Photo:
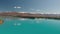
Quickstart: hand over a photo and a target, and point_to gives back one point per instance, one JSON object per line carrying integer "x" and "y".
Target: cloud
{"x": 17, "y": 7}
{"x": 32, "y": 9}
{"x": 38, "y": 10}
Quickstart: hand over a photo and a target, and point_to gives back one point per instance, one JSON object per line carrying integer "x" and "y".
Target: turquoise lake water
{"x": 30, "y": 26}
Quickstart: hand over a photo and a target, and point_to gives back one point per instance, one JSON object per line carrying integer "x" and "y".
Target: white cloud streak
{"x": 17, "y": 7}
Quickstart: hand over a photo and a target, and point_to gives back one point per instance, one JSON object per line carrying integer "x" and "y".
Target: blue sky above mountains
{"x": 44, "y": 6}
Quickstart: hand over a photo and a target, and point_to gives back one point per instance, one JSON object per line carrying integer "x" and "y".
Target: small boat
{"x": 1, "y": 21}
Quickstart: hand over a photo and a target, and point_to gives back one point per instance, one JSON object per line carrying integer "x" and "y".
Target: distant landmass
{"x": 29, "y": 15}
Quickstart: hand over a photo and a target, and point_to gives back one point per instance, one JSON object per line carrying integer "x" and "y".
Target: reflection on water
{"x": 17, "y": 24}
{"x": 30, "y": 26}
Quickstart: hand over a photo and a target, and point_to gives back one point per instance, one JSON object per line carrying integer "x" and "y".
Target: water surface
{"x": 30, "y": 26}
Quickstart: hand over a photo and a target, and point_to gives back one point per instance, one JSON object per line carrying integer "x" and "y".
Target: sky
{"x": 42, "y": 6}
